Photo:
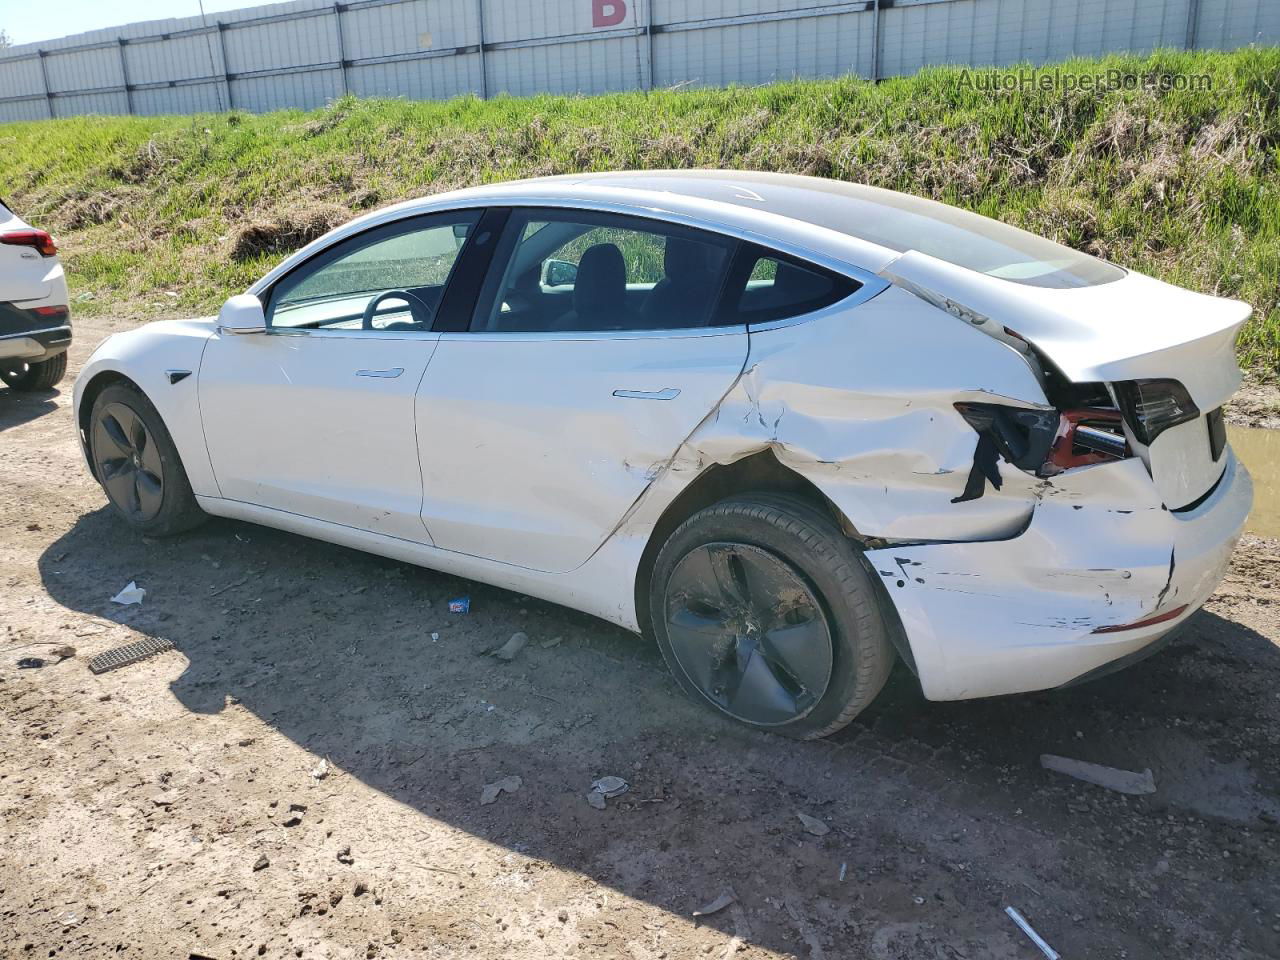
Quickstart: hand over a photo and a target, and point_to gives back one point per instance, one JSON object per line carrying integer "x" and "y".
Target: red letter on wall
{"x": 608, "y": 13}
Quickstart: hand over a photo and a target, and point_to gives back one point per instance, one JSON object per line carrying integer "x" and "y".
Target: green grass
{"x": 168, "y": 214}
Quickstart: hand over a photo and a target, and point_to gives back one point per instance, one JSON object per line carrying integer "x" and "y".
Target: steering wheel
{"x": 417, "y": 307}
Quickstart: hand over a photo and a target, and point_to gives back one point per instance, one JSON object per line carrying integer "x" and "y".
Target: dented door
{"x": 533, "y": 446}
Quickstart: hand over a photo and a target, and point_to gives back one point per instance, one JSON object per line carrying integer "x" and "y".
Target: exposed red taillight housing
{"x": 39, "y": 239}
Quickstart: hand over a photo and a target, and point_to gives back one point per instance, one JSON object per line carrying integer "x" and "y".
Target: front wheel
{"x": 764, "y": 611}
{"x": 135, "y": 460}
{"x": 43, "y": 375}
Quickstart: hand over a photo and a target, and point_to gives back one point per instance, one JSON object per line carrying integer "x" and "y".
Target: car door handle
{"x": 668, "y": 394}
{"x": 383, "y": 374}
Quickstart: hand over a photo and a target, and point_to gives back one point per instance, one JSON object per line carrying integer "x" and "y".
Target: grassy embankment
{"x": 171, "y": 214}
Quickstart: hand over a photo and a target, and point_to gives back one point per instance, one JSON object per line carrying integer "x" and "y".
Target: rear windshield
{"x": 903, "y": 222}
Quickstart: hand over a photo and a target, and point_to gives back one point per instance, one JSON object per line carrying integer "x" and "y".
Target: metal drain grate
{"x": 118, "y": 657}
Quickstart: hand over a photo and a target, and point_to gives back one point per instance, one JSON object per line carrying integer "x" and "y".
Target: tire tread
{"x": 816, "y": 531}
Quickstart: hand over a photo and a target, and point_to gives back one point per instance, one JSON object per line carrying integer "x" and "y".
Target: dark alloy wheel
{"x": 748, "y": 629}
{"x": 765, "y": 610}
{"x": 128, "y": 462}
{"x": 136, "y": 462}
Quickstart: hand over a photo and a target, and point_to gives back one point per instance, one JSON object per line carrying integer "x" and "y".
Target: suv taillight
{"x": 1151, "y": 407}
{"x": 39, "y": 239}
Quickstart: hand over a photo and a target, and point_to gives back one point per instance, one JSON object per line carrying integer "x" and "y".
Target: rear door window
{"x": 578, "y": 270}
{"x": 767, "y": 285}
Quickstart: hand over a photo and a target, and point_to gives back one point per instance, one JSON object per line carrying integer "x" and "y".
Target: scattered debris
{"x": 508, "y": 651}
{"x": 30, "y": 663}
{"x": 606, "y": 788}
{"x": 345, "y": 857}
{"x": 231, "y": 586}
{"x": 813, "y": 825}
{"x": 1122, "y": 781}
{"x": 492, "y": 791}
{"x": 718, "y": 904}
{"x": 130, "y": 653}
{"x": 64, "y": 652}
{"x": 435, "y": 637}
{"x": 553, "y": 642}
{"x": 360, "y": 889}
{"x": 320, "y": 770}
{"x": 129, "y": 595}
{"x": 261, "y": 863}
{"x": 296, "y": 810}
{"x": 460, "y": 605}
{"x": 611, "y": 786}
{"x": 844, "y": 869}
{"x": 1026, "y": 928}
{"x": 163, "y": 799}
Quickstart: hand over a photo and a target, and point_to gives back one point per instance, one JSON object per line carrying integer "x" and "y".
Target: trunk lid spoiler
{"x": 1131, "y": 329}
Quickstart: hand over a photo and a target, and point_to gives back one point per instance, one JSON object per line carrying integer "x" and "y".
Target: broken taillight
{"x": 39, "y": 239}
{"x": 1090, "y": 435}
{"x": 1021, "y": 436}
{"x": 1153, "y": 406}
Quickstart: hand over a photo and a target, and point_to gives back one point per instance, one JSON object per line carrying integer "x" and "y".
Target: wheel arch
{"x": 89, "y": 394}
{"x": 760, "y": 472}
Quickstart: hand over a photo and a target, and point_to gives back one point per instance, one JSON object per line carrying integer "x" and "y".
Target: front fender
{"x": 144, "y": 356}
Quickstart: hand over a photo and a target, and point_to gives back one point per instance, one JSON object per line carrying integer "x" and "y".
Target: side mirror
{"x": 242, "y": 314}
{"x": 559, "y": 273}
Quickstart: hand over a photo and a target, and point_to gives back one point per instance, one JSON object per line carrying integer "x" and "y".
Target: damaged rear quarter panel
{"x": 862, "y": 401}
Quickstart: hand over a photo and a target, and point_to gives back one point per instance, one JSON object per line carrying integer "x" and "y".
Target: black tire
{"x": 141, "y": 453}
{"x": 43, "y": 375}
{"x": 757, "y": 541}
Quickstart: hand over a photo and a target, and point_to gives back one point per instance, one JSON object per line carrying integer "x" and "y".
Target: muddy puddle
{"x": 1259, "y": 450}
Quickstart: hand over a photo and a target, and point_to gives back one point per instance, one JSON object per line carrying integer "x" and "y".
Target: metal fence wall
{"x": 305, "y": 53}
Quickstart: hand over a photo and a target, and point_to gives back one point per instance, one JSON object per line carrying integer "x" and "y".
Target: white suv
{"x": 35, "y": 321}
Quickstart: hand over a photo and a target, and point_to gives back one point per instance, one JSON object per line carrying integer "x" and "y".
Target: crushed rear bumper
{"x": 1101, "y": 550}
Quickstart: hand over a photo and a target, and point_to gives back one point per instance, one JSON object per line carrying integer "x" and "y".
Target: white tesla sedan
{"x": 794, "y": 428}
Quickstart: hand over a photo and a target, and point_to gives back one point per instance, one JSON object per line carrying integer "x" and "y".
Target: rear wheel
{"x": 43, "y": 375}
{"x": 763, "y": 610}
{"x": 138, "y": 465}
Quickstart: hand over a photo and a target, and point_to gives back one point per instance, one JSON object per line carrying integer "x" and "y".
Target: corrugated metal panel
{"x": 84, "y": 70}
{"x": 305, "y": 91}
{"x": 506, "y": 21}
{"x": 287, "y": 54}
{"x": 190, "y": 98}
{"x": 103, "y": 103}
{"x": 182, "y": 58}
{"x": 434, "y": 79}
{"x": 600, "y": 66}
{"x": 1004, "y": 32}
{"x": 20, "y": 110}
{"x": 281, "y": 43}
{"x": 19, "y": 78}
{"x": 757, "y": 53}
{"x": 401, "y": 28}
{"x": 1228, "y": 24}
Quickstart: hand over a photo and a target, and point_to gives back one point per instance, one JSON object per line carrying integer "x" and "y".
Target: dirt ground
{"x": 302, "y": 776}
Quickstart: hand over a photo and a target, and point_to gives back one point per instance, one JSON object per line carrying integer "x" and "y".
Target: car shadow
{"x": 17, "y": 408}
{"x": 334, "y": 649}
